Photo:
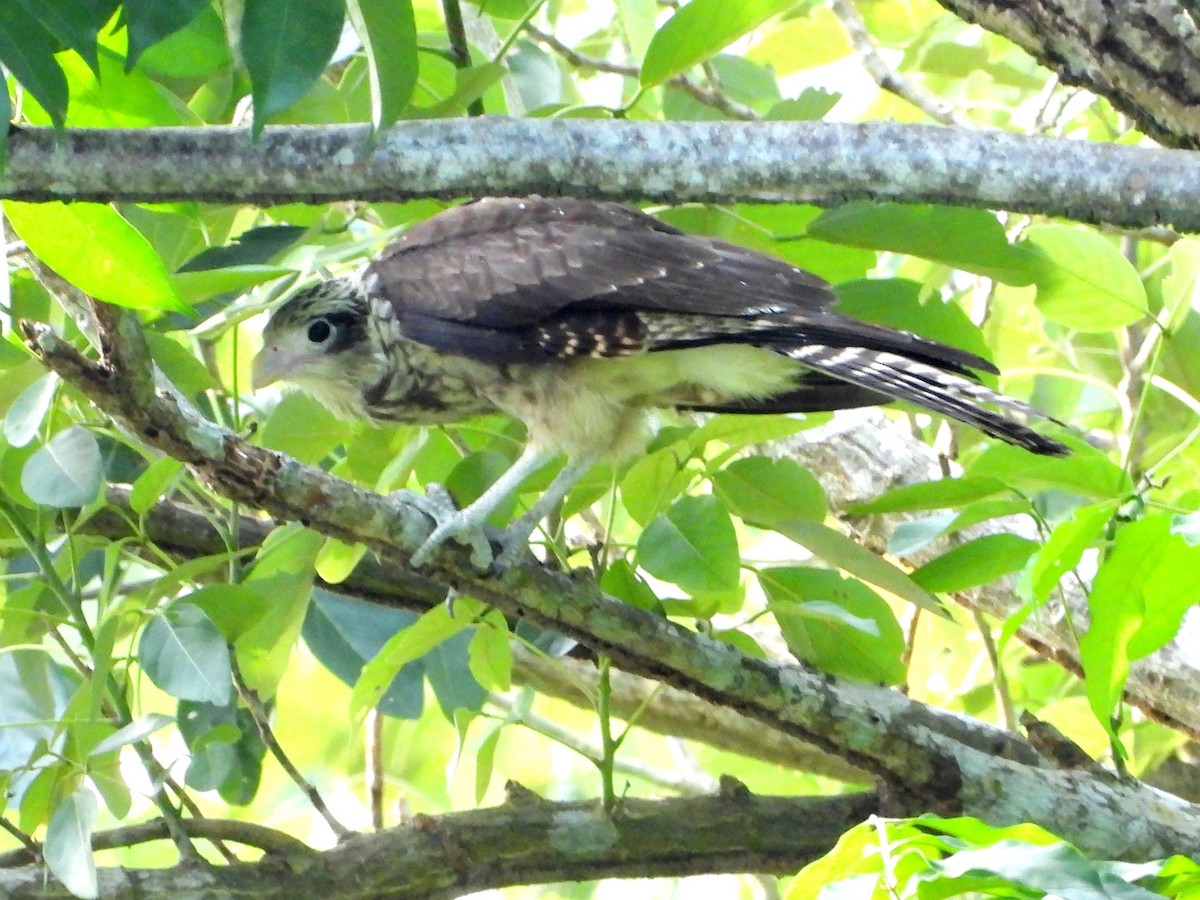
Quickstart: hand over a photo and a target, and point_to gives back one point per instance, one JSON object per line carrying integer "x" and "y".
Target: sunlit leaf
{"x": 95, "y": 249}
{"x": 763, "y": 491}
{"x": 388, "y": 33}
{"x": 699, "y": 30}
{"x": 976, "y": 562}
{"x": 692, "y": 544}
{"x": 1083, "y": 280}
{"x": 149, "y": 21}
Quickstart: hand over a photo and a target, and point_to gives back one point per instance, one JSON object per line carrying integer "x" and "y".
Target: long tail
{"x": 934, "y": 389}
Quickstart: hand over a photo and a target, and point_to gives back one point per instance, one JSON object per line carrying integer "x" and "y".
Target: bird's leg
{"x": 467, "y": 524}
{"x": 515, "y": 539}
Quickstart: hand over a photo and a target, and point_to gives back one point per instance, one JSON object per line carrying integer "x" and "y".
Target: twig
{"x": 1008, "y": 714}
{"x": 374, "y": 766}
{"x": 707, "y": 96}
{"x": 937, "y": 108}
{"x": 216, "y": 831}
{"x": 32, "y": 851}
{"x": 458, "y": 46}
{"x": 259, "y": 714}
{"x": 548, "y": 729}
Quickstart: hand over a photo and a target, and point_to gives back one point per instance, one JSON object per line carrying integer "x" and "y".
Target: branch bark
{"x": 528, "y": 840}
{"x": 1142, "y": 55}
{"x": 927, "y": 758}
{"x": 800, "y": 162}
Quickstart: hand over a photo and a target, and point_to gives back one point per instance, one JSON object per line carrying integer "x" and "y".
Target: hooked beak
{"x": 268, "y": 367}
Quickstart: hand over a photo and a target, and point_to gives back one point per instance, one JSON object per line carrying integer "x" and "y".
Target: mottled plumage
{"x": 576, "y": 316}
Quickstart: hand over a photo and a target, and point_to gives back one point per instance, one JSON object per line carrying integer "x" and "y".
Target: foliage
{"x": 117, "y": 648}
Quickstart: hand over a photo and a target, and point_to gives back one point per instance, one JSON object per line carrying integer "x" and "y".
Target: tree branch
{"x": 804, "y": 162}
{"x": 1142, "y": 55}
{"x": 528, "y": 840}
{"x": 928, "y": 758}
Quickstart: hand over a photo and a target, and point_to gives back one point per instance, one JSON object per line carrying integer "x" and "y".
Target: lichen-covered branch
{"x": 1142, "y": 55}
{"x": 926, "y": 758}
{"x": 528, "y": 840}
{"x": 803, "y": 162}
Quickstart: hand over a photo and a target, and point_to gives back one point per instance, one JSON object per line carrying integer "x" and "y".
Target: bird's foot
{"x": 449, "y": 522}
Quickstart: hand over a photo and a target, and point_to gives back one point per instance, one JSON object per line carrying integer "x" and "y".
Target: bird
{"x": 578, "y": 317}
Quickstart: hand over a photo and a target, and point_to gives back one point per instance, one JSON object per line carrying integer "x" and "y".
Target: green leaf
{"x": 1058, "y": 870}
{"x": 435, "y": 626}
{"x": 1179, "y": 287}
{"x": 976, "y": 562}
{"x": 67, "y": 472}
{"x": 68, "y": 848}
{"x": 24, "y": 417}
{"x": 840, "y": 551}
{"x": 95, "y": 249}
{"x": 202, "y": 285}
{"x": 969, "y": 239}
{"x": 343, "y": 634}
{"x": 621, "y": 580}
{"x": 637, "y": 21}
{"x": 338, "y": 560}
{"x": 388, "y": 32}
{"x": 762, "y": 491}
{"x": 153, "y": 483}
{"x": 692, "y": 544}
{"x": 699, "y": 30}
{"x": 281, "y": 581}
{"x": 490, "y": 653}
{"x": 1065, "y": 546}
{"x": 286, "y": 45}
{"x": 301, "y": 427}
{"x": 1086, "y": 472}
{"x": 185, "y": 655}
{"x": 651, "y": 483}
{"x": 901, "y": 303}
{"x": 71, "y": 21}
{"x": 27, "y": 51}
{"x": 253, "y": 247}
{"x": 139, "y": 729}
{"x": 1137, "y": 599}
{"x": 946, "y": 493}
{"x": 837, "y": 624}
{"x": 1083, "y": 281}
{"x": 149, "y": 21}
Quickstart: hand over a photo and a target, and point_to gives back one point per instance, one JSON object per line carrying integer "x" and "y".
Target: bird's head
{"x": 318, "y": 340}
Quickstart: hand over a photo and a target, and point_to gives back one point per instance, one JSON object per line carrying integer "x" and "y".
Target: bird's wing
{"x": 531, "y": 280}
{"x": 509, "y": 263}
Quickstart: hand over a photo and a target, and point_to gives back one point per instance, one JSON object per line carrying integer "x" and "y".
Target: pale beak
{"x": 268, "y": 367}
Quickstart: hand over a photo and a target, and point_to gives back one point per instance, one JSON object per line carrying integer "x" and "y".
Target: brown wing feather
{"x": 506, "y": 263}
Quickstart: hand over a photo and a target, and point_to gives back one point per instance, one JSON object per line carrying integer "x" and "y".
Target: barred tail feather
{"x": 932, "y": 388}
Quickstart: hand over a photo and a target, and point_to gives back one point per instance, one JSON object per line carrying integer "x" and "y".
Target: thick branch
{"x": 1143, "y": 55}
{"x": 808, "y": 162}
{"x": 526, "y": 841}
{"x": 928, "y": 758}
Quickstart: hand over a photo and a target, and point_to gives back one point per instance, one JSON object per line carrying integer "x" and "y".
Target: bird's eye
{"x": 319, "y": 331}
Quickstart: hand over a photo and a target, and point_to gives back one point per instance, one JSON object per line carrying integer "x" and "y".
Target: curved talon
{"x": 450, "y": 522}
